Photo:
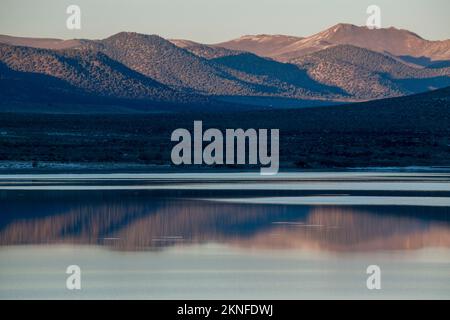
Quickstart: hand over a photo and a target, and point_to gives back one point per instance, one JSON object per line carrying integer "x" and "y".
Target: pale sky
{"x": 211, "y": 21}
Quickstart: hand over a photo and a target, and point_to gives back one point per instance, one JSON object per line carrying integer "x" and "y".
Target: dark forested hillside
{"x": 404, "y": 131}
{"x": 367, "y": 74}
{"x": 84, "y": 71}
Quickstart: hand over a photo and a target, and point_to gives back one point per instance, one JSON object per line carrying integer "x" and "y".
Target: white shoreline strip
{"x": 221, "y": 176}
{"x": 295, "y": 185}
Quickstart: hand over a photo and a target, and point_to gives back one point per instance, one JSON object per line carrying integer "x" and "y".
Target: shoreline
{"x": 26, "y": 167}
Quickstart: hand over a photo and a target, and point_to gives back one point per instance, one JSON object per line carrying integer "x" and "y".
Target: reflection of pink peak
{"x": 147, "y": 225}
{"x": 337, "y": 229}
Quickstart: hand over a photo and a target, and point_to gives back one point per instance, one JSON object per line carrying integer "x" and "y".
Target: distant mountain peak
{"x": 261, "y": 44}
{"x": 266, "y": 37}
{"x": 182, "y": 43}
{"x": 43, "y": 43}
{"x": 344, "y": 26}
{"x": 126, "y": 35}
{"x": 397, "y": 42}
{"x": 351, "y": 29}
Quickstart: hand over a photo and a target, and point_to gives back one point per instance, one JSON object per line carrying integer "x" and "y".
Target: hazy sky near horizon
{"x": 211, "y": 21}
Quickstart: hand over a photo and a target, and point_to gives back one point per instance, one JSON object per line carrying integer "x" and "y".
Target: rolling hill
{"x": 135, "y": 66}
{"x": 203, "y": 50}
{"x": 262, "y": 45}
{"x": 81, "y": 80}
{"x": 367, "y": 74}
{"x": 161, "y": 60}
{"x": 193, "y": 69}
{"x": 42, "y": 43}
{"x": 332, "y": 66}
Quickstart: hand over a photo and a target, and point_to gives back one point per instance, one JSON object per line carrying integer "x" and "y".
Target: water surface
{"x": 186, "y": 236}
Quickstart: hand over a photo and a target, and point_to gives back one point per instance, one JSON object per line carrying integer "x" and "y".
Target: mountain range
{"x": 344, "y": 63}
{"x": 400, "y": 43}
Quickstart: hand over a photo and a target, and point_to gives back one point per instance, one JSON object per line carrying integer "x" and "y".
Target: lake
{"x": 226, "y": 236}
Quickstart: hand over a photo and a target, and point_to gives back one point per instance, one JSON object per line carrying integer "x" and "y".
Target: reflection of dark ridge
{"x": 201, "y": 222}
{"x": 34, "y": 204}
{"x": 111, "y": 220}
{"x": 91, "y": 215}
{"x": 138, "y": 223}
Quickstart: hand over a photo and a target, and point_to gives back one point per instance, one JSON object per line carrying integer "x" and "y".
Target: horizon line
{"x": 229, "y": 39}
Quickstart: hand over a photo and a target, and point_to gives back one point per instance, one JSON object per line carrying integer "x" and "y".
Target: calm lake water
{"x": 218, "y": 236}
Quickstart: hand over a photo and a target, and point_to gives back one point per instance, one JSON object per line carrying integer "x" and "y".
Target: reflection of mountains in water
{"x": 137, "y": 221}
